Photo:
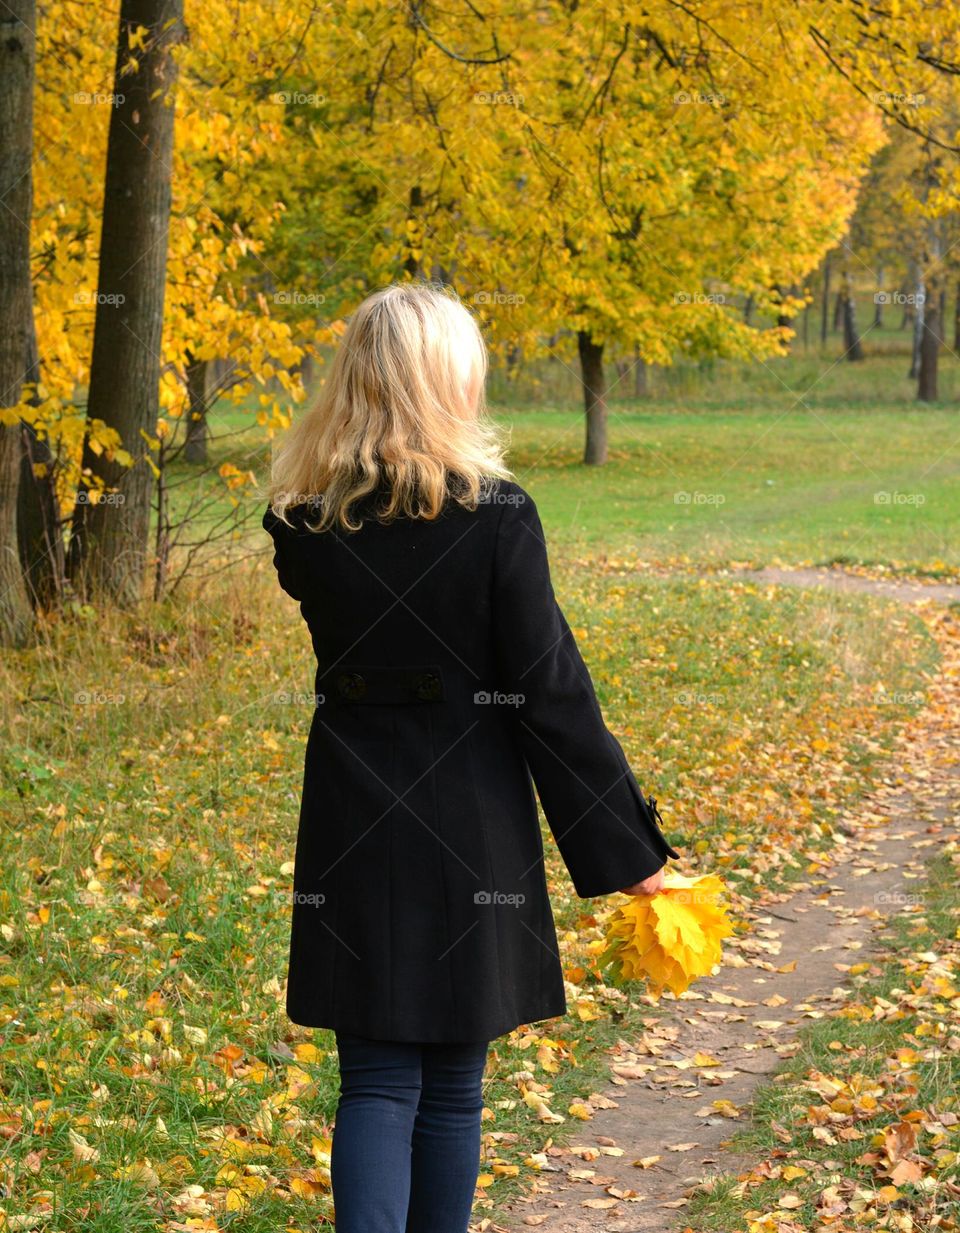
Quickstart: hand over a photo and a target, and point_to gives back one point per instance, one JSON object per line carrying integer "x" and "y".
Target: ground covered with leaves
{"x": 862, "y": 1128}
{"x": 150, "y": 1078}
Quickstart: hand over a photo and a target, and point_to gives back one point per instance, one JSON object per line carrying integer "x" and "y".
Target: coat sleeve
{"x": 606, "y": 831}
{"x": 279, "y": 532}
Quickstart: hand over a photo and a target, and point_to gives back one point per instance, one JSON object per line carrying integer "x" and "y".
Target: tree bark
{"x": 594, "y": 399}
{"x": 929, "y": 351}
{"x": 641, "y": 372}
{"x": 927, "y": 376}
{"x": 412, "y": 262}
{"x": 783, "y": 320}
{"x": 878, "y": 300}
{"x": 109, "y": 542}
{"x": 851, "y": 338}
{"x": 39, "y": 536}
{"x": 18, "y": 21}
{"x": 198, "y": 430}
{"x": 956, "y": 318}
{"x": 825, "y": 302}
{"x": 919, "y": 313}
{"x": 838, "y": 310}
{"x": 907, "y": 316}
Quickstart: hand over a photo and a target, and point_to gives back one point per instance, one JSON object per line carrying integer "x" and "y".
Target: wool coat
{"x": 448, "y": 684}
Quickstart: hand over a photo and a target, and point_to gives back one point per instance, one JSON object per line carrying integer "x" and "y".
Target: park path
{"x": 908, "y": 590}
{"x": 719, "y": 1041}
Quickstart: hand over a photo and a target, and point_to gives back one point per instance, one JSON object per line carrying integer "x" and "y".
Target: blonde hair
{"x": 403, "y": 406}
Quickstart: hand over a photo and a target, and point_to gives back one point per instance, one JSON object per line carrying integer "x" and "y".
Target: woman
{"x": 446, "y": 677}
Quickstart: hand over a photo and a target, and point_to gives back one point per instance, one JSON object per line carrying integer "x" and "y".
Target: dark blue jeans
{"x": 406, "y": 1144}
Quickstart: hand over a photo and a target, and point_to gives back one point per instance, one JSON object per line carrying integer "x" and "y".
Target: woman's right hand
{"x": 649, "y": 886}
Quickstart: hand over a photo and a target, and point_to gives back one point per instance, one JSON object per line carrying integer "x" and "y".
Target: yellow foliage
{"x": 671, "y": 938}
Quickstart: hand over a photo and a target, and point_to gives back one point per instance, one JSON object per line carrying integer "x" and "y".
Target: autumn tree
{"x": 905, "y": 60}
{"x": 17, "y": 54}
{"x": 109, "y": 535}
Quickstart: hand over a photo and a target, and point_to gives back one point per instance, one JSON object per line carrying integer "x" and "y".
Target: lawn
{"x": 806, "y": 459}
{"x": 151, "y": 765}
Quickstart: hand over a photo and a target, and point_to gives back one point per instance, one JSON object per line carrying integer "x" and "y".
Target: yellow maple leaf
{"x": 671, "y": 938}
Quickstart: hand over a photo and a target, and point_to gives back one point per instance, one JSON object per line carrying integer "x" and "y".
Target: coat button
{"x": 428, "y": 688}
{"x": 351, "y": 685}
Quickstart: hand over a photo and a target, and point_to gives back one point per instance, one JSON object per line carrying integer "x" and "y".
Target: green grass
{"x": 150, "y": 769}
{"x": 150, "y": 777}
{"x": 799, "y": 460}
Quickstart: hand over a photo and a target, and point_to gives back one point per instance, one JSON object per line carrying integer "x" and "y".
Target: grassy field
{"x": 805, "y": 459}
{"x": 150, "y": 767}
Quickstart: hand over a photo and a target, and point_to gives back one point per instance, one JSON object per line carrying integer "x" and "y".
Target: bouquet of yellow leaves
{"x": 669, "y": 938}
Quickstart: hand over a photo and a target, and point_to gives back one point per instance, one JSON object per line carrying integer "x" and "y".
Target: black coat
{"x": 447, "y": 676}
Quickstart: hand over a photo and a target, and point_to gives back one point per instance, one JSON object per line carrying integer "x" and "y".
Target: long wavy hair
{"x": 402, "y": 413}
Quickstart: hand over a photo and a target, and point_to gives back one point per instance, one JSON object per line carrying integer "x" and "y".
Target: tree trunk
{"x": 40, "y": 540}
{"x": 109, "y": 543}
{"x": 594, "y": 399}
{"x": 198, "y": 430}
{"x": 414, "y": 233}
{"x": 919, "y": 313}
{"x": 783, "y": 321}
{"x": 907, "y": 291}
{"x": 878, "y": 301}
{"x": 641, "y": 384}
{"x": 932, "y": 319}
{"x": 929, "y": 351}
{"x": 838, "y": 311}
{"x": 851, "y": 339}
{"x": 792, "y": 292}
{"x": 956, "y": 318}
{"x": 825, "y": 303}
{"x": 18, "y": 20}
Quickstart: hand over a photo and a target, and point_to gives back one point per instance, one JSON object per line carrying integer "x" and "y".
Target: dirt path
{"x": 906, "y": 589}
{"x": 720, "y": 1039}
